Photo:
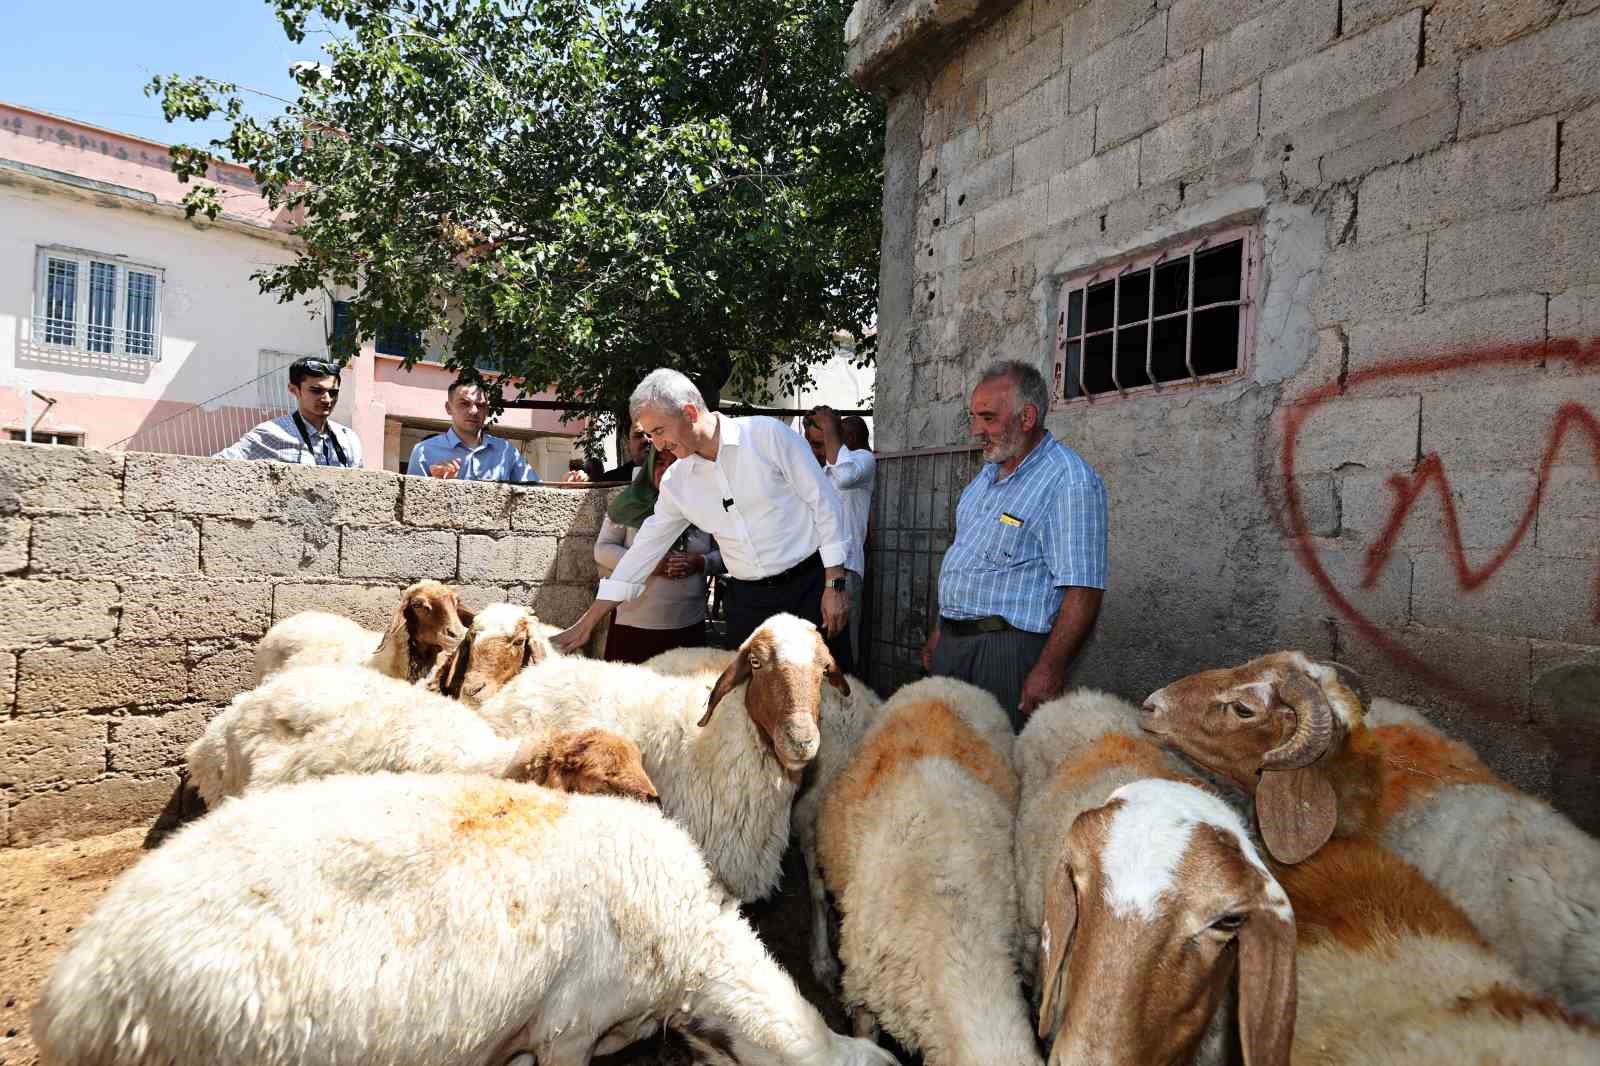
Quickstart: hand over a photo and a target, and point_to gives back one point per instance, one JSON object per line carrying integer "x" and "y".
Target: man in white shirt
{"x": 853, "y": 471}
{"x": 752, "y": 484}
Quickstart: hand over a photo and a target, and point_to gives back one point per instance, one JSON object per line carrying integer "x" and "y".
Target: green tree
{"x": 577, "y": 191}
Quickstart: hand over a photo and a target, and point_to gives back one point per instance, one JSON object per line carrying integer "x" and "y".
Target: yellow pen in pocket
{"x": 1009, "y": 519}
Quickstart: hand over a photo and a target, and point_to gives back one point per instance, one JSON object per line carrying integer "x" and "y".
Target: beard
{"x": 1003, "y": 446}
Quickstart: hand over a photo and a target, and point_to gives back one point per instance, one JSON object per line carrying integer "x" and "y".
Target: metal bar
{"x": 1188, "y": 329}
{"x": 1116, "y": 315}
{"x": 910, "y": 453}
{"x": 748, "y": 409}
{"x": 1150, "y": 329}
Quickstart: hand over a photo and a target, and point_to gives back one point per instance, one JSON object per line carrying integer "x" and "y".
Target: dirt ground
{"x": 47, "y": 890}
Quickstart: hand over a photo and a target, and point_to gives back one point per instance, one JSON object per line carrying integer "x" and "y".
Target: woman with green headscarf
{"x": 672, "y": 611}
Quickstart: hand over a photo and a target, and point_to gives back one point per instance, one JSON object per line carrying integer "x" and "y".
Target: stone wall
{"x": 134, "y": 589}
{"x": 1426, "y": 179}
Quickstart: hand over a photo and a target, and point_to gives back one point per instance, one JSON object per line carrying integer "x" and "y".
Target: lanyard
{"x": 305, "y": 435}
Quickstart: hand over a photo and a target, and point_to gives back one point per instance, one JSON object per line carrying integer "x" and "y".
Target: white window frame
{"x": 84, "y": 260}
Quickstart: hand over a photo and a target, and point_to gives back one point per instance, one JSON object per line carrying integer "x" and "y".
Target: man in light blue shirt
{"x": 1021, "y": 585}
{"x": 465, "y": 451}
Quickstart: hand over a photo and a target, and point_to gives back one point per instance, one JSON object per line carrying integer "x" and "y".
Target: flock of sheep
{"x": 448, "y": 843}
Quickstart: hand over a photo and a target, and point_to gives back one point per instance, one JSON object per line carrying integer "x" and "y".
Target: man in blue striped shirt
{"x": 465, "y": 451}
{"x": 1020, "y": 588}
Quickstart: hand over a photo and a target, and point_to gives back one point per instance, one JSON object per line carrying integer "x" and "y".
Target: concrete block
{"x": 1158, "y": 96}
{"x": 1191, "y": 23}
{"x": 559, "y": 605}
{"x": 101, "y": 544}
{"x": 1337, "y": 77}
{"x": 1361, "y": 281}
{"x": 1566, "y": 707}
{"x": 1548, "y": 659}
{"x": 1010, "y": 220}
{"x": 39, "y": 612}
{"x": 1268, "y": 42}
{"x": 513, "y": 557}
{"x": 1532, "y": 595}
{"x": 1580, "y": 153}
{"x": 8, "y": 682}
{"x": 77, "y": 679}
{"x": 1196, "y": 140}
{"x": 1301, "y": 593}
{"x": 563, "y": 512}
{"x": 1119, "y": 62}
{"x": 1546, "y": 248}
{"x": 1468, "y": 179}
{"x": 457, "y": 504}
{"x": 44, "y": 751}
{"x": 1569, "y": 513}
{"x": 478, "y": 596}
{"x": 47, "y": 479}
{"x": 1025, "y": 68}
{"x": 1492, "y": 426}
{"x": 971, "y": 190}
{"x": 1065, "y": 145}
{"x": 1364, "y": 14}
{"x": 235, "y": 547}
{"x": 1039, "y": 109}
{"x": 1459, "y": 27}
{"x": 1413, "y": 117}
{"x": 1547, "y": 73}
{"x": 323, "y": 497}
{"x": 90, "y": 809}
{"x": 397, "y": 552}
{"x": 1101, "y": 22}
{"x": 1374, "y": 434}
{"x": 14, "y": 544}
{"x": 1444, "y": 329}
{"x": 1575, "y": 313}
{"x": 1488, "y": 509}
{"x": 1319, "y": 503}
{"x": 193, "y": 484}
{"x": 575, "y": 562}
{"x": 220, "y": 672}
{"x": 157, "y": 610}
{"x": 1492, "y": 670}
{"x": 368, "y": 605}
{"x": 1091, "y": 184}
{"x": 144, "y": 742}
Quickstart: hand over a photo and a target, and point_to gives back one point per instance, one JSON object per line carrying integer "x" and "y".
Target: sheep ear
{"x": 1296, "y": 811}
{"x": 735, "y": 675}
{"x": 399, "y": 627}
{"x": 1266, "y": 989}
{"x": 832, "y": 673}
{"x": 453, "y": 670}
{"x": 465, "y": 613}
{"x": 1055, "y": 938}
{"x": 532, "y": 650}
{"x": 1351, "y": 679}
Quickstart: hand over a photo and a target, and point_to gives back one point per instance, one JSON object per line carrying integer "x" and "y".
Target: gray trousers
{"x": 998, "y": 663}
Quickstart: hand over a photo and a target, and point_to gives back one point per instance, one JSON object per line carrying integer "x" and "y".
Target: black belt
{"x": 809, "y": 562}
{"x": 971, "y": 627}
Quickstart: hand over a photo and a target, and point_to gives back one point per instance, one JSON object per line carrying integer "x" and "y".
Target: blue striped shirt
{"x": 1021, "y": 540}
{"x": 492, "y": 460}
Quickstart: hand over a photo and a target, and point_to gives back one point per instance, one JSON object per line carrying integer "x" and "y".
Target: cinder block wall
{"x": 1426, "y": 176}
{"x": 135, "y": 587}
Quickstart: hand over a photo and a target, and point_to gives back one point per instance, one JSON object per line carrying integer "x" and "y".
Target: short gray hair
{"x": 667, "y": 389}
{"x": 1026, "y": 379}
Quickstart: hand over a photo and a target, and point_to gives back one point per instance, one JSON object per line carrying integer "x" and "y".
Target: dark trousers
{"x": 630, "y": 644}
{"x": 998, "y": 663}
{"x": 747, "y": 605}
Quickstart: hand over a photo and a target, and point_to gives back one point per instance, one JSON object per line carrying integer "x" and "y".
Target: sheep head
{"x": 590, "y": 761}
{"x": 430, "y": 619}
{"x": 785, "y": 663}
{"x": 502, "y": 641}
{"x": 1159, "y": 898}
{"x": 1270, "y": 726}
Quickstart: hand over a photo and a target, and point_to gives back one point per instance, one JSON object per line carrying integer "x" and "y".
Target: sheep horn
{"x": 1313, "y": 728}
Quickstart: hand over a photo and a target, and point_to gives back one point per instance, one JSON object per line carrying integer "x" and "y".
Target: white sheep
{"x": 317, "y": 721}
{"x": 729, "y": 778}
{"x": 503, "y": 640}
{"x": 845, "y": 719}
{"x": 916, "y": 848}
{"x": 419, "y": 920}
{"x": 428, "y": 620}
{"x": 1523, "y": 874}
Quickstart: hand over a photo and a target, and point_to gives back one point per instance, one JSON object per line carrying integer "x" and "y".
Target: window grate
{"x": 1180, "y": 316}
{"x": 99, "y": 306}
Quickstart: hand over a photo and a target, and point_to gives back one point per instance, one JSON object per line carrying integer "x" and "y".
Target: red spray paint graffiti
{"x": 1570, "y": 418}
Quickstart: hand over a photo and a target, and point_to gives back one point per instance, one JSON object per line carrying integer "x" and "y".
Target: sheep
{"x": 729, "y": 778}
{"x": 502, "y": 641}
{"x": 844, "y": 720}
{"x": 429, "y": 620}
{"x": 418, "y": 920}
{"x": 316, "y": 721}
{"x": 915, "y": 838}
{"x": 1295, "y": 734}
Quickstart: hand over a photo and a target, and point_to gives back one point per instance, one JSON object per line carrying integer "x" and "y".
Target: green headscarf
{"x": 638, "y": 501}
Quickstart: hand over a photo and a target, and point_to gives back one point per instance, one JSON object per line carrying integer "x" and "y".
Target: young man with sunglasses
{"x": 306, "y": 435}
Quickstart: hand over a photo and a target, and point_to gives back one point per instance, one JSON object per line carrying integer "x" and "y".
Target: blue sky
{"x": 90, "y": 60}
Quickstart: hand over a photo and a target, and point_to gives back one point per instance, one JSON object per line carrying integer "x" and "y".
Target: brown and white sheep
{"x": 428, "y": 621}
{"x": 502, "y": 640}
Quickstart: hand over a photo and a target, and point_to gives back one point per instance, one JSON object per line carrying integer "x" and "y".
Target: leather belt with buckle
{"x": 967, "y": 627}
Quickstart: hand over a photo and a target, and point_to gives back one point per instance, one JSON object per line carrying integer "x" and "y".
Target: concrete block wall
{"x": 133, "y": 589}
{"x": 1426, "y": 179}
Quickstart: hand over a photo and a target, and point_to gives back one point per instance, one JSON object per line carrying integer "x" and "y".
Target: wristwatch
{"x": 838, "y": 584}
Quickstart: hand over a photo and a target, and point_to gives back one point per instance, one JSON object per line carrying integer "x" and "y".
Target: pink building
{"x": 124, "y": 324}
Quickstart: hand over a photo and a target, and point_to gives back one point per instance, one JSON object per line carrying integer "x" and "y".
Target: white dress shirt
{"x": 853, "y": 474}
{"x": 780, "y": 507}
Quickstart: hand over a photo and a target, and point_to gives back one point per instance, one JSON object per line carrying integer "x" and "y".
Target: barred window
{"x": 100, "y": 305}
{"x": 1182, "y": 315}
